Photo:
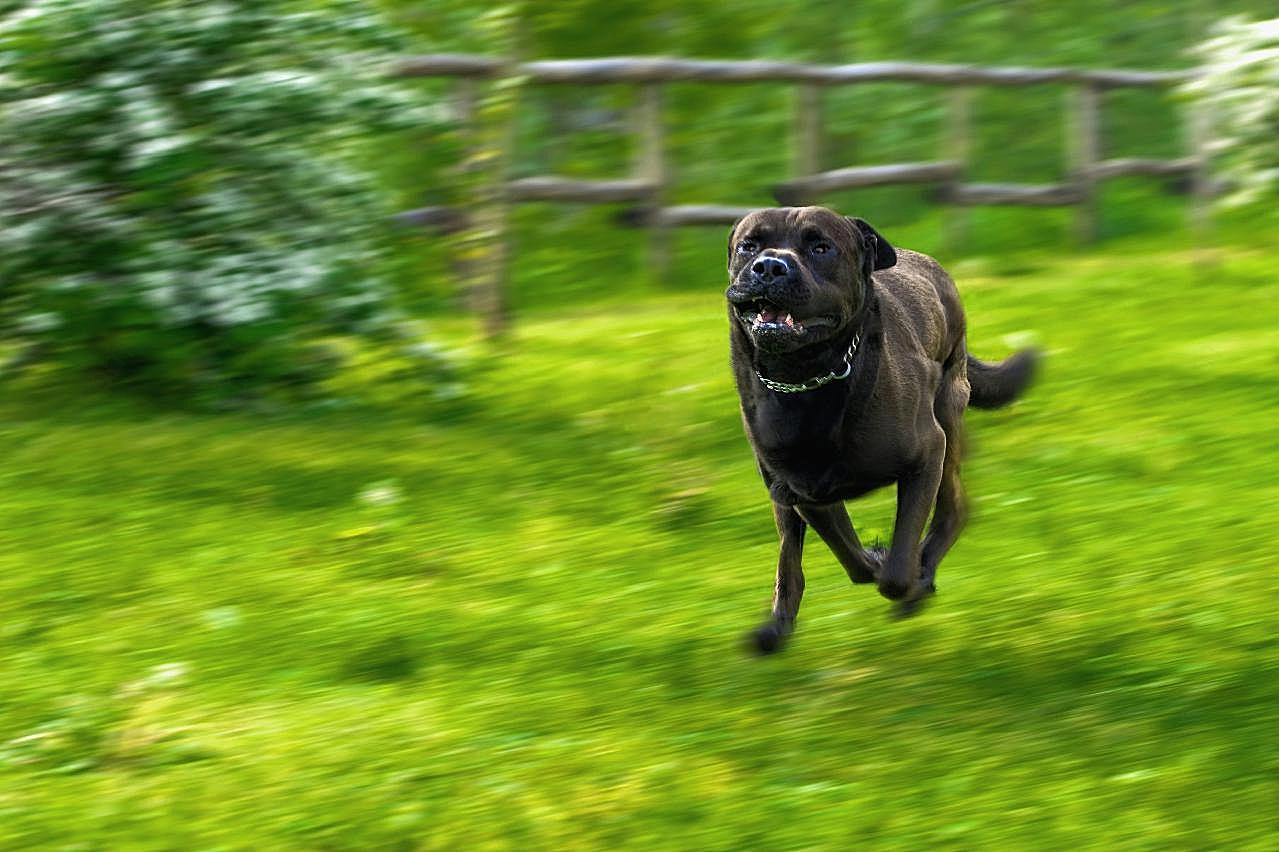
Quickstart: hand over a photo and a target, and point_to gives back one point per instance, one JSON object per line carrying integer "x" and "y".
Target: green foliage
{"x": 520, "y": 628}
{"x": 184, "y": 189}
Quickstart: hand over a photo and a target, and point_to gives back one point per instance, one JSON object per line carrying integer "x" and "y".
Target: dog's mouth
{"x": 763, "y": 315}
{"x": 767, "y": 318}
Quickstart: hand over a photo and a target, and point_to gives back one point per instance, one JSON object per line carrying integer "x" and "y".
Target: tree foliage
{"x": 1238, "y": 87}
{"x": 184, "y": 190}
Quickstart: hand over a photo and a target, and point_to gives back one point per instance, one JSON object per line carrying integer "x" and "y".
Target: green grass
{"x": 526, "y": 632}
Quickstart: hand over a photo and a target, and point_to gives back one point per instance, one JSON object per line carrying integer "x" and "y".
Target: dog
{"x": 853, "y": 371}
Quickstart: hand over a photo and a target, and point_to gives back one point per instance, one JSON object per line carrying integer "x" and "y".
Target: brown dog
{"x": 853, "y": 373}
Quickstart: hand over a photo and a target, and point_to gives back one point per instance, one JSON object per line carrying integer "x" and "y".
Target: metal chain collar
{"x": 814, "y": 384}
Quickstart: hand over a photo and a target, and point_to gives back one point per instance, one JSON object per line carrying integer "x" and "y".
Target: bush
{"x": 185, "y": 199}
{"x": 1238, "y": 85}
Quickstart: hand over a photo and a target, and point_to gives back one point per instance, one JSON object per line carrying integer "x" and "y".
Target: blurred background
{"x": 364, "y": 487}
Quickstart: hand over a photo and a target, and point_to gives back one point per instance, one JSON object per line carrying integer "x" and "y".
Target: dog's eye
{"x": 747, "y": 247}
{"x": 820, "y": 248}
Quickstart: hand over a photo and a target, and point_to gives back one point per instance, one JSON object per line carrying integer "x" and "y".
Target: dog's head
{"x": 798, "y": 275}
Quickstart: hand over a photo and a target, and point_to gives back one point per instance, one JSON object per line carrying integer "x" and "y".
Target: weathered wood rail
{"x": 659, "y": 69}
{"x": 648, "y": 184}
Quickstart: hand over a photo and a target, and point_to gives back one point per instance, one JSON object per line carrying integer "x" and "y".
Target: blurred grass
{"x": 517, "y": 624}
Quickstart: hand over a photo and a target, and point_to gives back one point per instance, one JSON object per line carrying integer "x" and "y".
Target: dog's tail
{"x": 996, "y": 385}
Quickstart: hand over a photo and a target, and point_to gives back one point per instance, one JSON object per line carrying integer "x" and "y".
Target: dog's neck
{"x": 828, "y": 361}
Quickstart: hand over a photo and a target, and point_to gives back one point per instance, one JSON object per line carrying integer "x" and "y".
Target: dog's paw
{"x": 770, "y": 637}
{"x": 894, "y": 589}
{"x": 914, "y": 603}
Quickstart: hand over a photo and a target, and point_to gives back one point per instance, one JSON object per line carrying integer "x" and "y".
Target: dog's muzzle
{"x": 770, "y": 271}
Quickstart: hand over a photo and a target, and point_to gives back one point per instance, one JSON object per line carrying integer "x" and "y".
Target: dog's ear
{"x": 879, "y": 254}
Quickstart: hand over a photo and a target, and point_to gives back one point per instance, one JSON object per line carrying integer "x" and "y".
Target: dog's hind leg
{"x": 790, "y": 581}
{"x": 948, "y": 521}
{"x": 916, "y": 494}
{"x": 952, "y": 506}
{"x": 832, "y": 523}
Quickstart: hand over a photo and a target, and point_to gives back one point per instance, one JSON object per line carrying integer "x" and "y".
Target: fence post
{"x": 1084, "y": 151}
{"x": 957, "y": 147}
{"x": 486, "y": 242}
{"x": 650, "y": 167}
{"x": 465, "y": 107}
{"x": 1200, "y": 124}
{"x": 809, "y": 121}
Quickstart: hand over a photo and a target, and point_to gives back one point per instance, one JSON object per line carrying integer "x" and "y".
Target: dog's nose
{"x": 768, "y": 269}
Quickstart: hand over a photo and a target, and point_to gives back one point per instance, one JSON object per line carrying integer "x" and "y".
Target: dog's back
{"x": 920, "y": 301}
{"x": 924, "y": 304}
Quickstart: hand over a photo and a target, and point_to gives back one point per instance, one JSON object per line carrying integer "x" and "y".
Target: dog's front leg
{"x": 916, "y": 494}
{"x": 790, "y": 581}
{"x": 832, "y": 523}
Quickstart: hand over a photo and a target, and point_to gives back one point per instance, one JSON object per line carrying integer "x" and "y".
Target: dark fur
{"x": 897, "y": 417}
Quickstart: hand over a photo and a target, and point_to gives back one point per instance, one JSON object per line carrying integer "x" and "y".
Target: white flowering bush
{"x": 185, "y": 200}
{"x": 1238, "y": 86}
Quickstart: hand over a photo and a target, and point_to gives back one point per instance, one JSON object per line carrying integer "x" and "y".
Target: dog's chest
{"x": 805, "y": 451}
{"x": 794, "y": 431}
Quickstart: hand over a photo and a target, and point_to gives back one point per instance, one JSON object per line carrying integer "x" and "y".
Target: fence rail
{"x": 672, "y": 70}
{"x": 649, "y": 182}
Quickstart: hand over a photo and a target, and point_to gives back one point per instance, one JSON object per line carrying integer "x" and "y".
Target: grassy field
{"x": 515, "y": 622}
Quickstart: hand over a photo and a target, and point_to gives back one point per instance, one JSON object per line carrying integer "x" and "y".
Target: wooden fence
{"x": 648, "y": 186}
